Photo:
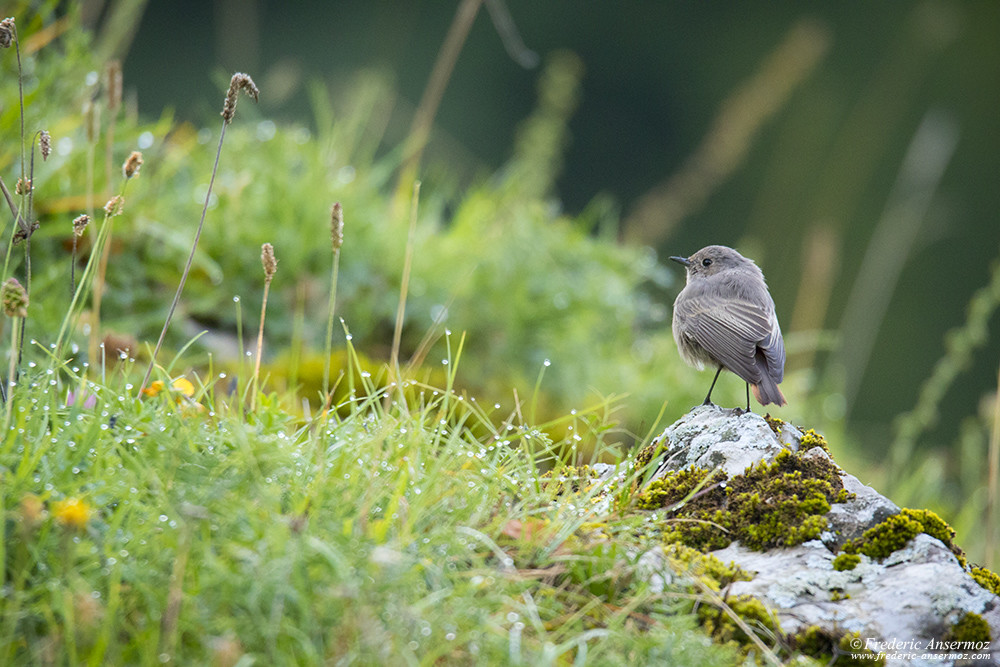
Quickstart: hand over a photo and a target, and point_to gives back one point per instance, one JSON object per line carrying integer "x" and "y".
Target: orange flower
{"x": 72, "y": 512}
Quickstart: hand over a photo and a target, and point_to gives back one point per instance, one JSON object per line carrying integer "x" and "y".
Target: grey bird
{"x": 725, "y": 317}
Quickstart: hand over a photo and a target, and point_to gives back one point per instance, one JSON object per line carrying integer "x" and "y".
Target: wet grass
{"x": 406, "y": 526}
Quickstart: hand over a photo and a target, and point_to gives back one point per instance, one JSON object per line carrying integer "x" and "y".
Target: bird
{"x": 725, "y": 317}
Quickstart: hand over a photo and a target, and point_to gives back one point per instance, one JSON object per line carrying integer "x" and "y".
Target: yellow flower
{"x": 184, "y": 386}
{"x": 72, "y": 512}
{"x": 181, "y": 385}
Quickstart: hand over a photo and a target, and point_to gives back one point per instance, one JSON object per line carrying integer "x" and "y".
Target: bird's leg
{"x": 708, "y": 399}
{"x": 748, "y": 397}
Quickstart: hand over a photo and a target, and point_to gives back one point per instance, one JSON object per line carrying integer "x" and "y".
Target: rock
{"x": 898, "y": 606}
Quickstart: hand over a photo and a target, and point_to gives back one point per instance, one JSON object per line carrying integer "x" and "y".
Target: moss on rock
{"x": 810, "y": 438}
{"x": 649, "y": 452}
{"x": 987, "y": 579}
{"x": 721, "y": 627}
{"x": 895, "y": 532}
{"x": 823, "y": 645}
{"x": 845, "y": 562}
{"x": 781, "y": 503}
{"x": 710, "y": 570}
{"x": 971, "y": 628}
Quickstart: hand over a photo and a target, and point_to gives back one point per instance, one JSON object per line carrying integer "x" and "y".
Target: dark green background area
{"x": 656, "y": 74}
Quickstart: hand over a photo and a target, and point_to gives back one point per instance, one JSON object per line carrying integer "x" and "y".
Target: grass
{"x": 166, "y": 511}
{"x": 178, "y": 528}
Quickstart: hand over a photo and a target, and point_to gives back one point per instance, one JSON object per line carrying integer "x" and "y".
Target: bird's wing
{"x": 773, "y": 347}
{"x": 731, "y": 331}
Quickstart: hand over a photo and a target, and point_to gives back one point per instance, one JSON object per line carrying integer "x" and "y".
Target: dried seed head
{"x": 114, "y": 205}
{"x": 268, "y": 260}
{"x": 45, "y": 144}
{"x": 240, "y": 81}
{"x": 132, "y": 164}
{"x": 79, "y": 224}
{"x": 23, "y": 186}
{"x": 14, "y": 299}
{"x": 7, "y": 32}
{"x": 337, "y": 226}
{"x": 24, "y": 230}
{"x": 91, "y": 120}
{"x": 113, "y": 83}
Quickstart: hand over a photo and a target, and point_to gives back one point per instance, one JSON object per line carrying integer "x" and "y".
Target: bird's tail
{"x": 767, "y": 392}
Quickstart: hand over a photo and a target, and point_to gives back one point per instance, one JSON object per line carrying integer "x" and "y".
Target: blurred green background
{"x": 851, "y": 150}
{"x": 808, "y": 191}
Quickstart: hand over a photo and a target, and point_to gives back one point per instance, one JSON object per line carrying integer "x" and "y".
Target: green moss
{"x": 774, "y": 423}
{"x": 887, "y": 537}
{"x": 822, "y": 645}
{"x": 845, "y": 562}
{"x": 568, "y": 479}
{"x": 722, "y": 628}
{"x": 710, "y": 570}
{"x": 894, "y": 533}
{"x": 810, "y": 438}
{"x": 680, "y": 485}
{"x": 781, "y": 503}
{"x": 937, "y": 527}
{"x": 987, "y": 579}
{"x": 972, "y": 628}
{"x": 649, "y": 452}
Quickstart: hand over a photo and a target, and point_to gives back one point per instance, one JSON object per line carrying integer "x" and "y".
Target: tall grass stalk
{"x": 239, "y": 82}
{"x": 111, "y": 209}
{"x": 15, "y": 333}
{"x": 397, "y": 333}
{"x": 270, "y": 267}
{"x": 993, "y": 484}
{"x": 336, "y": 241}
{"x": 423, "y": 118}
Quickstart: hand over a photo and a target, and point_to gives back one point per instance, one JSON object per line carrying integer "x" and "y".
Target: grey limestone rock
{"x": 899, "y": 605}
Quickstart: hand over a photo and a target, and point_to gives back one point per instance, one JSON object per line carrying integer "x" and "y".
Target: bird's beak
{"x": 682, "y": 260}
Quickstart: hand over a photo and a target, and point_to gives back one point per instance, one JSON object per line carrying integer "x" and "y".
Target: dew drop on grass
{"x": 236, "y": 299}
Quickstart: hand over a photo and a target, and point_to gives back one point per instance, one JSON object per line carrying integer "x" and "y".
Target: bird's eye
{"x": 706, "y": 262}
